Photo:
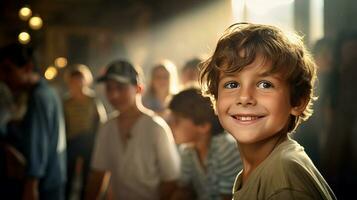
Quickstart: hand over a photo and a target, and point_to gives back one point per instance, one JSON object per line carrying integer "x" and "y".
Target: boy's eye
{"x": 231, "y": 85}
{"x": 265, "y": 84}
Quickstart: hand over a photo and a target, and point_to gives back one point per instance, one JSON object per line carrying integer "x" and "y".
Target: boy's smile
{"x": 254, "y": 105}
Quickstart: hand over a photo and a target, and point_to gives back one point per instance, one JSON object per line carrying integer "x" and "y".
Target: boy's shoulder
{"x": 286, "y": 158}
{"x": 286, "y": 171}
{"x": 152, "y": 119}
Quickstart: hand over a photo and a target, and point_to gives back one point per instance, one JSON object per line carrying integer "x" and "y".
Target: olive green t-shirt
{"x": 287, "y": 173}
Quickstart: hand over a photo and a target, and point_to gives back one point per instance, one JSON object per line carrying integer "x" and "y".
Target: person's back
{"x": 261, "y": 82}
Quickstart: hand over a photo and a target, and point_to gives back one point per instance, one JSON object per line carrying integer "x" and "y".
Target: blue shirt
{"x": 44, "y": 143}
{"x": 222, "y": 165}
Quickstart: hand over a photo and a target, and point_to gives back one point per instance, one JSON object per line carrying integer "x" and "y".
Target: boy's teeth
{"x": 247, "y": 118}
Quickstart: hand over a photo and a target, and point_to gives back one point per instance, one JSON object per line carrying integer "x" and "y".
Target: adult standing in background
{"x": 83, "y": 114}
{"x": 163, "y": 84}
{"x": 42, "y": 128}
{"x": 190, "y": 73}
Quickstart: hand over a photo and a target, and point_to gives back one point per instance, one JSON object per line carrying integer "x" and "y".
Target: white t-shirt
{"x": 150, "y": 157}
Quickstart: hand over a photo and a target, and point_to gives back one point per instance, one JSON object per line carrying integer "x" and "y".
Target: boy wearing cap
{"x": 136, "y": 146}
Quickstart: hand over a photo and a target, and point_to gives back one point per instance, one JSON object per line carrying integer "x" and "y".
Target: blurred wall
{"x": 339, "y": 15}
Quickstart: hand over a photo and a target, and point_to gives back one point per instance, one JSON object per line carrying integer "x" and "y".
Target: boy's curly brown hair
{"x": 239, "y": 46}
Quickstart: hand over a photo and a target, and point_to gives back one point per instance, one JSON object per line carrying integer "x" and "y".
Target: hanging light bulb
{"x": 25, "y": 13}
{"x": 24, "y": 37}
{"x": 35, "y": 22}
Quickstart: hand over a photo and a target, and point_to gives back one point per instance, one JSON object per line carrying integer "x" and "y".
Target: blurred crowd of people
{"x": 168, "y": 144}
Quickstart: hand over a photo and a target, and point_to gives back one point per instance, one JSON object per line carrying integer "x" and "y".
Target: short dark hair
{"x": 18, "y": 54}
{"x": 190, "y": 104}
{"x": 287, "y": 54}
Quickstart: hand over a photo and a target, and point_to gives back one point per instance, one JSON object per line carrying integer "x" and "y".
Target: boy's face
{"x": 253, "y": 105}
{"x": 121, "y": 96}
{"x": 184, "y": 130}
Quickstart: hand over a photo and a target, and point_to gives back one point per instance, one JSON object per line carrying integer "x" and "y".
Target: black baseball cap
{"x": 121, "y": 71}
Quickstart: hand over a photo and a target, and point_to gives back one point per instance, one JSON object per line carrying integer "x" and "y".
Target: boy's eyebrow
{"x": 226, "y": 75}
{"x": 272, "y": 74}
{"x": 265, "y": 73}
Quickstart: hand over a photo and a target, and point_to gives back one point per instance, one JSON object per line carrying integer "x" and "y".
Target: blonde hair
{"x": 171, "y": 68}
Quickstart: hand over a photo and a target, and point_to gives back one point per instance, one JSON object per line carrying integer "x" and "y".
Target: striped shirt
{"x": 222, "y": 165}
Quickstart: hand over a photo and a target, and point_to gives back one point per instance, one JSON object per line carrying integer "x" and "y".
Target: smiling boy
{"x": 260, "y": 81}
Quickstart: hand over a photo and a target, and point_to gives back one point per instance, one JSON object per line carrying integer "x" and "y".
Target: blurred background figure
{"x": 83, "y": 114}
{"x": 340, "y": 158}
{"x": 12, "y": 163}
{"x": 209, "y": 157}
{"x": 313, "y": 133}
{"x": 163, "y": 84}
{"x": 6, "y": 107}
{"x": 42, "y": 128}
{"x": 135, "y": 146}
{"x": 189, "y": 72}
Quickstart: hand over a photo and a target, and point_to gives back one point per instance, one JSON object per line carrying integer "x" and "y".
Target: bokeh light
{"x": 25, "y": 13}
{"x": 61, "y": 62}
{"x": 51, "y": 73}
{"x": 35, "y": 22}
{"x": 24, "y": 37}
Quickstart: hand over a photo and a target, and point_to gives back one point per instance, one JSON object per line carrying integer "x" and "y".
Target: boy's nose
{"x": 246, "y": 97}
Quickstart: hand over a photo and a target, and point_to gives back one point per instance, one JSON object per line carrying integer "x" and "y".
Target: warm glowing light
{"x": 24, "y": 38}
{"x": 61, "y": 62}
{"x": 35, "y": 22}
{"x": 262, "y": 6}
{"x": 50, "y": 73}
{"x": 25, "y": 13}
{"x": 238, "y": 10}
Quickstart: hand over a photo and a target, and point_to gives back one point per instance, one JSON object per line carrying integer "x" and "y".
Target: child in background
{"x": 261, "y": 82}
{"x": 136, "y": 146}
{"x": 210, "y": 160}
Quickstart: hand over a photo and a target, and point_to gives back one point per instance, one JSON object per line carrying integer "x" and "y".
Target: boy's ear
{"x": 298, "y": 109}
{"x": 139, "y": 88}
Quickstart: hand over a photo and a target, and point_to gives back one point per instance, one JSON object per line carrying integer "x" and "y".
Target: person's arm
{"x": 168, "y": 160}
{"x": 35, "y": 128}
